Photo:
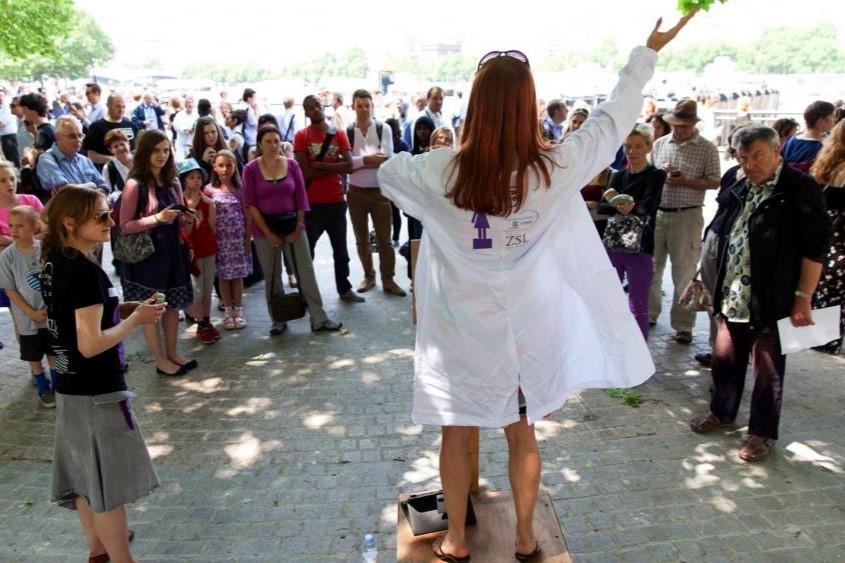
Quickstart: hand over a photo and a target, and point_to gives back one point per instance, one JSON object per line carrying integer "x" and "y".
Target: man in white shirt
{"x": 288, "y": 124}
{"x": 95, "y": 110}
{"x": 372, "y": 143}
{"x": 434, "y": 110}
{"x": 8, "y": 130}
{"x": 341, "y": 116}
{"x": 183, "y": 122}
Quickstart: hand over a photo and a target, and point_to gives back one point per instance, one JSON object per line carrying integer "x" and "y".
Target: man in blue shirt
{"x": 553, "y": 125}
{"x": 62, "y": 165}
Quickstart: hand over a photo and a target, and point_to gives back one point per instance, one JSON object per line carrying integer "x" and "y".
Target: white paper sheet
{"x": 794, "y": 339}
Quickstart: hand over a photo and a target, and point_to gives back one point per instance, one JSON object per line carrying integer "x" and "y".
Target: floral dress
{"x": 831, "y": 288}
{"x": 232, "y": 263}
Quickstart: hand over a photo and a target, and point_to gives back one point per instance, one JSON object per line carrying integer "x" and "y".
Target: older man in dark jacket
{"x": 772, "y": 242}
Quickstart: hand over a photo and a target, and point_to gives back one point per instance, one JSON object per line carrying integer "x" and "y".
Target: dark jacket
{"x": 138, "y": 116}
{"x": 790, "y": 225}
{"x": 646, "y": 187}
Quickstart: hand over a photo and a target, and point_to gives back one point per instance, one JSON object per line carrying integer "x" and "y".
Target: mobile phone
{"x": 675, "y": 173}
{"x": 183, "y": 209}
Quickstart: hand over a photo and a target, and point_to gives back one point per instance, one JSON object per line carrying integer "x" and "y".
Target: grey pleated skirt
{"x": 100, "y": 453}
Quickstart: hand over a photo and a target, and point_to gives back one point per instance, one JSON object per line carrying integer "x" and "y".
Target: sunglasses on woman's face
{"x": 103, "y": 217}
{"x": 518, "y": 55}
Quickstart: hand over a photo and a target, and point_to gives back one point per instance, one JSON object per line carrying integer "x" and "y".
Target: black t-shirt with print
{"x": 95, "y": 138}
{"x": 70, "y": 281}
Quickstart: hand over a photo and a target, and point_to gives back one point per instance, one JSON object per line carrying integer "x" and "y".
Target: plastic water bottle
{"x": 370, "y": 551}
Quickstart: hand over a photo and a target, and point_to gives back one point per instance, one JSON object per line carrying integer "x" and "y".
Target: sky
{"x": 275, "y": 33}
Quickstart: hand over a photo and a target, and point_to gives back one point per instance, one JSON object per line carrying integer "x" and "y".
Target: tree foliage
{"x": 33, "y": 27}
{"x": 86, "y": 45}
{"x": 454, "y": 67}
{"x": 350, "y": 64}
{"x": 779, "y": 50}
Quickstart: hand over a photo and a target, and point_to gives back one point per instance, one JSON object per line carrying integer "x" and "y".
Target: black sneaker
{"x": 704, "y": 359}
{"x": 48, "y": 399}
{"x": 351, "y": 297}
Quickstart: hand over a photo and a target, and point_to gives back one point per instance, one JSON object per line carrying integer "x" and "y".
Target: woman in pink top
{"x": 274, "y": 197}
{"x": 150, "y": 202}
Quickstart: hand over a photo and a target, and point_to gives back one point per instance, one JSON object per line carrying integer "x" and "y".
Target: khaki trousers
{"x": 362, "y": 203}
{"x": 677, "y": 236}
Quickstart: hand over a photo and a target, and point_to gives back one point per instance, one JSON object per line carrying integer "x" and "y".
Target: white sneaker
{"x": 238, "y": 317}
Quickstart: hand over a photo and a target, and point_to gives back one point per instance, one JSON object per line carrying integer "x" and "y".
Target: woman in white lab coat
{"x": 517, "y": 301}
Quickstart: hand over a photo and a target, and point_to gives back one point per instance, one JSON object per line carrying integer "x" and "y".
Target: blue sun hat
{"x": 189, "y": 165}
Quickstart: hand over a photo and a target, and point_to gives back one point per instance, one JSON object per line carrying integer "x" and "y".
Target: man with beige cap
{"x": 692, "y": 166}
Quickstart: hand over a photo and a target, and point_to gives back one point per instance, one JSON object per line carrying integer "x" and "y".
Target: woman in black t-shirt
{"x": 100, "y": 461}
{"x": 643, "y": 184}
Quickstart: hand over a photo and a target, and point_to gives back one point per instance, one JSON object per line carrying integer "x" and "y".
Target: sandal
{"x": 707, "y": 423}
{"x": 756, "y": 448}
{"x": 528, "y": 556}
{"x": 104, "y": 557}
{"x": 437, "y": 548}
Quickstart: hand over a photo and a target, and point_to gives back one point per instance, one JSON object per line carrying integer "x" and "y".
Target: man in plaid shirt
{"x": 692, "y": 166}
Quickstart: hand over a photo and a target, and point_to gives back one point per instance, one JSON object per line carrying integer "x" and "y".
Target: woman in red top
{"x": 204, "y": 245}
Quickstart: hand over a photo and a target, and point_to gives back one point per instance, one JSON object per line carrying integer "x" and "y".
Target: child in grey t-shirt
{"x": 20, "y": 276}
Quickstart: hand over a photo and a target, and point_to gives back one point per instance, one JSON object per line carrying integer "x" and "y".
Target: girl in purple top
{"x": 274, "y": 186}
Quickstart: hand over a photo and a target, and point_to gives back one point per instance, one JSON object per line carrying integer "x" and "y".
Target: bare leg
{"x": 455, "y": 476}
{"x": 153, "y": 337}
{"x": 226, "y": 292}
{"x": 237, "y": 291}
{"x": 86, "y": 518}
{"x": 170, "y": 323}
{"x": 524, "y": 467}
{"x": 112, "y": 530}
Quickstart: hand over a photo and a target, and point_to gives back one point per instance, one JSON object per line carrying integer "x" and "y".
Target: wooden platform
{"x": 492, "y": 539}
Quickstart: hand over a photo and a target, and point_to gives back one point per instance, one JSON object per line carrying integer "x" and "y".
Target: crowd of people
{"x": 201, "y": 199}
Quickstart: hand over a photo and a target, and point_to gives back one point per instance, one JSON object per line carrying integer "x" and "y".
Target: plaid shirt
{"x": 696, "y": 158}
{"x": 736, "y": 287}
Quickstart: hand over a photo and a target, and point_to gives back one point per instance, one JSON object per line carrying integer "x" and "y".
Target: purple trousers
{"x": 639, "y": 268}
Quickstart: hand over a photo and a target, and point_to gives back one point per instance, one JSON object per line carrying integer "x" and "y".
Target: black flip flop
{"x": 437, "y": 548}
{"x": 529, "y": 556}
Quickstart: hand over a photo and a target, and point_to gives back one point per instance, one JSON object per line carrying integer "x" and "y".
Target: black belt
{"x": 676, "y": 209}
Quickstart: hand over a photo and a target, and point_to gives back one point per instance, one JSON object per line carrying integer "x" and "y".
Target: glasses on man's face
{"x": 518, "y": 55}
{"x": 74, "y": 136}
{"x": 103, "y": 217}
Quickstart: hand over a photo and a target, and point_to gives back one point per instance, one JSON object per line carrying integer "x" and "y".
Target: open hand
{"x": 659, "y": 39}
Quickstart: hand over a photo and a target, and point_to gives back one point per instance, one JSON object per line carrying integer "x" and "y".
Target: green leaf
{"x": 85, "y": 45}
{"x": 686, "y": 6}
{"x": 33, "y": 27}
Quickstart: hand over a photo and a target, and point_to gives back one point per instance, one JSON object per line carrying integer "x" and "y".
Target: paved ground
{"x": 291, "y": 449}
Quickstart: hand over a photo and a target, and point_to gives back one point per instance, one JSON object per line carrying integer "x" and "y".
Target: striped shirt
{"x": 697, "y": 158}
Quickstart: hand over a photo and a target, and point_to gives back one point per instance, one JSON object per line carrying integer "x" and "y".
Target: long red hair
{"x": 501, "y": 135}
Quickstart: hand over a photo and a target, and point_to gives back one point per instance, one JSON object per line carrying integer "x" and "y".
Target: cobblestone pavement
{"x": 292, "y": 448}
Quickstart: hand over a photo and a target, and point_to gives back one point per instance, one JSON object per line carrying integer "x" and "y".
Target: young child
{"x": 234, "y": 247}
{"x": 442, "y": 137}
{"x": 20, "y": 276}
{"x": 201, "y": 228}
{"x": 116, "y": 170}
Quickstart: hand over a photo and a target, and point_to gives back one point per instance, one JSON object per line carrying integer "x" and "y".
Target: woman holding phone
{"x": 152, "y": 201}
{"x": 100, "y": 461}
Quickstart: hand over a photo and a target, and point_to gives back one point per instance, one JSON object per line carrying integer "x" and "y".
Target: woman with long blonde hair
{"x": 829, "y": 171}
{"x": 518, "y": 305}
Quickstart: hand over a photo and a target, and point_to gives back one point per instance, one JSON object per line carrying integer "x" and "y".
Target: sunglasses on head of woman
{"x": 518, "y": 55}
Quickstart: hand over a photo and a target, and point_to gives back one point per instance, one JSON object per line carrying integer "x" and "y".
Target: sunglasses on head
{"x": 518, "y": 55}
{"x": 102, "y": 217}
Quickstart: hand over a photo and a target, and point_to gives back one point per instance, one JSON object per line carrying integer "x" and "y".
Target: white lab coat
{"x": 542, "y": 308}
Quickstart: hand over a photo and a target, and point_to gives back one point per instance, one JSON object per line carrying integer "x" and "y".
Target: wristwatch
{"x": 799, "y": 293}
